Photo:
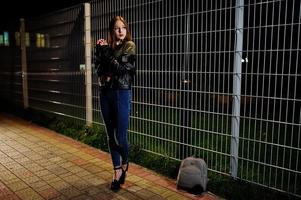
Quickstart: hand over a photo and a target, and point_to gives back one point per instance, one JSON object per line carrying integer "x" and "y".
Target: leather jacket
{"x": 115, "y": 67}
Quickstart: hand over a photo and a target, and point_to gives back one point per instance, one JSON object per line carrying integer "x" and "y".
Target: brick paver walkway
{"x": 37, "y": 163}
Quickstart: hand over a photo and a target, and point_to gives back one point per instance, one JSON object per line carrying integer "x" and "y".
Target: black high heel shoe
{"x": 115, "y": 185}
{"x": 123, "y": 175}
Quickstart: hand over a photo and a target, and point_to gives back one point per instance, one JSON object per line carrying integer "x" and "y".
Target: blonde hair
{"x": 112, "y": 39}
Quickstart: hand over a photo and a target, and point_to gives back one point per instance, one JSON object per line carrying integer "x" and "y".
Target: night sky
{"x": 14, "y": 10}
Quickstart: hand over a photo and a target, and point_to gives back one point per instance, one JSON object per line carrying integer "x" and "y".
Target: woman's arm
{"x": 125, "y": 62}
{"x": 103, "y": 57}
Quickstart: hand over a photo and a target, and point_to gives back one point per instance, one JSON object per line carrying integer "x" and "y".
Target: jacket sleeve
{"x": 103, "y": 57}
{"x": 125, "y": 63}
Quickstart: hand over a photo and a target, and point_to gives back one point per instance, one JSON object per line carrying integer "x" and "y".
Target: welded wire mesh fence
{"x": 198, "y": 62}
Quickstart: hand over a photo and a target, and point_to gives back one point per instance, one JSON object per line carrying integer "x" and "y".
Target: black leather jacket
{"x": 115, "y": 67}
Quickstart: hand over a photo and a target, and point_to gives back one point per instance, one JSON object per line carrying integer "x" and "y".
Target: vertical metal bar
{"x": 206, "y": 114}
{"x": 263, "y": 107}
{"x": 215, "y": 86}
{"x": 145, "y": 74}
{"x": 255, "y": 74}
{"x": 288, "y": 99}
{"x": 220, "y": 118}
{"x": 199, "y": 42}
{"x": 139, "y": 75}
{"x": 184, "y": 81}
{"x": 192, "y": 70}
{"x": 171, "y": 68}
{"x": 148, "y": 81}
{"x": 210, "y": 61}
{"x": 283, "y": 65}
{"x": 229, "y": 70}
{"x": 275, "y": 109}
{"x": 224, "y": 78}
{"x": 239, "y": 9}
{"x": 269, "y": 89}
{"x": 223, "y": 49}
{"x": 299, "y": 132}
{"x": 203, "y": 83}
{"x": 153, "y": 99}
{"x": 24, "y": 63}
{"x": 88, "y": 69}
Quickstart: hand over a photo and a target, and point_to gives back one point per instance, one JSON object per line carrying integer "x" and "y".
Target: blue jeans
{"x": 115, "y": 108}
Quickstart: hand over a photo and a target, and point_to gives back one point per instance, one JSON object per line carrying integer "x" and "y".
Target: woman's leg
{"x": 109, "y": 114}
{"x": 124, "y": 109}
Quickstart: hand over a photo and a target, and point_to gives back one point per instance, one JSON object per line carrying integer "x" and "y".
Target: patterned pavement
{"x": 37, "y": 163}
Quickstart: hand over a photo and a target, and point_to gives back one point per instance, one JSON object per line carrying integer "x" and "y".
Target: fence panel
{"x": 270, "y": 115}
{"x": 10, "y": 69}
{"x": 183, "y": 91}
{"x": 55, "y": 56}
{"x": 181, "y": 103}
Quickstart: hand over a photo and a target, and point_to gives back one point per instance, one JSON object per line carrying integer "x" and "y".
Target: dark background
{"x": 11, "y": 11}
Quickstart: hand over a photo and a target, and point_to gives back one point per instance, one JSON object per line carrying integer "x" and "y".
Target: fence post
{"x": 88, "y": 70}
{"x": 239, "y": 16}
{"x": 24, "y": 63}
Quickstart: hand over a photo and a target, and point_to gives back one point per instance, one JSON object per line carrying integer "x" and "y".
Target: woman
{"x": 115, "y": 68}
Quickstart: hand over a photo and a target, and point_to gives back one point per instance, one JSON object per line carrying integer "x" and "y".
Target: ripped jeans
{"x": 115, "y": 108}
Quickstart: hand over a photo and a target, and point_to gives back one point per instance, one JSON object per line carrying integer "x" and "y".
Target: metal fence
{"x": 216, "y": 79}
{"x": 10, "y": 73}
{"x": 56, "y": 82}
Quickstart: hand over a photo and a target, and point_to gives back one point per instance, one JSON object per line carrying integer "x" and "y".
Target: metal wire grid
{"x": 193, "y": 42}
{"x": 270, "y": 129}
{"x": 183, "y": 90}
{"x": 179, "y": 78}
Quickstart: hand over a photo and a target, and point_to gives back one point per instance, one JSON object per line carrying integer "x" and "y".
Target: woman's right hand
{"x": 102, "y": 42}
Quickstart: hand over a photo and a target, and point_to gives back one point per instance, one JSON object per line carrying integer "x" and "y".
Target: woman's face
{"x": 119, "y": 30}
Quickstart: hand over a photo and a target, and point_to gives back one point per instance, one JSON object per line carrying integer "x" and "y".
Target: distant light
{"x": 6, "y": 38}
{"x": 1, "y": 40}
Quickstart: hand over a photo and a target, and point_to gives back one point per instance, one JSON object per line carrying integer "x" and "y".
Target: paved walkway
{"x": 37, "y": 163}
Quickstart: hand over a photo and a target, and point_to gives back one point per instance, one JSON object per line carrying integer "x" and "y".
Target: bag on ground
{"x": 192, "y": 175}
